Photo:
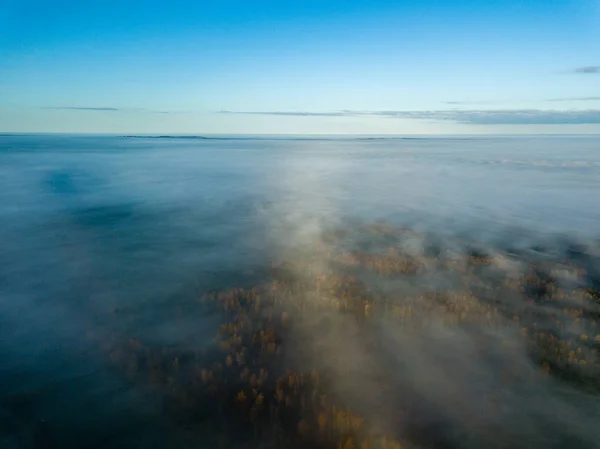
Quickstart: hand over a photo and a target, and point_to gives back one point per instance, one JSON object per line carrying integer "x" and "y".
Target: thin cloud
{"x": 106, "y": 109}
{"x": 588, "y": 69}
{"x": 293, "y": 113}
{"x": 77, "y": 108}
{"x": 472, "y": 117}
{"x": 504, "y": 117}
{"x": 470, "y": 102}
{"x": 575, "y": 99}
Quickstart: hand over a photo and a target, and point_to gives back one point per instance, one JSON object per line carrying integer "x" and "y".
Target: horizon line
{"x": 199, "y": 135}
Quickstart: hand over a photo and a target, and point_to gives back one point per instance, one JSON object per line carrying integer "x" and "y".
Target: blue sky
{"x": 366, "y": 67}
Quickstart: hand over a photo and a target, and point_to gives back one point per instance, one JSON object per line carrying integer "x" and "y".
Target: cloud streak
{"x": 575, "y": 99}
{"x": 504, "y": 117}
{"x": 106, "y": 109}
{"x": 470, "y": 102}
{"x": 295, "y": 113}
{"x": 77, "y": 108}
{"x": 588, "y": 69}
{"x": 472, "y": 117}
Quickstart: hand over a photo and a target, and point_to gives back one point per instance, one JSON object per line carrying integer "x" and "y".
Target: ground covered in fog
{"x": 383, "y": 337}
{"x": 262, "y": 292}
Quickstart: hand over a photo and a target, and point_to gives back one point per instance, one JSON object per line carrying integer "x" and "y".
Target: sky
{"x": 300, "y": 67}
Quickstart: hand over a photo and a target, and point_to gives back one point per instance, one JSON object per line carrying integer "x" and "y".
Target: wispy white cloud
{"x": 588, "y": 69}
{"x": 107, "y": 109}
{"x": 470, "y": 102}
{"x": 504, "y": 117}
{"x": 575, "y": 99}
{"x": 295, "y": 113}
{"x": 77, "y": 108}
{"x": 473, "y": 117}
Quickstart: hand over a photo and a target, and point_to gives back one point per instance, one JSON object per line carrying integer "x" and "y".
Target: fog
{"x": 438, "y": 297}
